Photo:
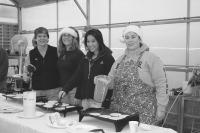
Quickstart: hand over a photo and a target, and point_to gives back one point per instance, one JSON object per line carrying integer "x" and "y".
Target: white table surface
{"x": 10, "y": 123}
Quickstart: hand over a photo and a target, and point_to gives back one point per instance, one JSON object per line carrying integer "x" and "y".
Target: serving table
{"x": 11, "y": 123}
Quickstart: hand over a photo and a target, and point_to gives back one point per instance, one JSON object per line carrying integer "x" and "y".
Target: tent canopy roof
{"x": 31, "y": 3}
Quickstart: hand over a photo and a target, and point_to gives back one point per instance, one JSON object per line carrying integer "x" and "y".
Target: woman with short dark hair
{"x": 45, "y": 79}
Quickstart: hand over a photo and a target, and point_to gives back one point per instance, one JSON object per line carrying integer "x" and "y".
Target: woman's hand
{"x": 61, "y": 94}
{"x": 26, "y": 78}
{"x": 160, "y": 115}
{"x": 77, "y": 102}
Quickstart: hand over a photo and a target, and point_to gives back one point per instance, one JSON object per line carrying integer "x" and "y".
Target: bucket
{"x": 29, "y": 103}
{"x": 101, "y": 87}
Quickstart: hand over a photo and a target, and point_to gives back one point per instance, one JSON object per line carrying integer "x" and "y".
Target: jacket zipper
{"x": 89, "y": 70}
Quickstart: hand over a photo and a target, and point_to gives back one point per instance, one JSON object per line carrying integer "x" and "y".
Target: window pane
{"x": 7, "y": 2}
{"x": 165, "y": 40}
{"x": 195, "y": 10}
{"x": 175, "y": 79}
{"x": 194, "y": 43}
{"x": 70, "y": 15}
{"x": 105, "y": 36}
{"x": 116, "y": 45}
{"x": 44, "y": 16}
{"x": 99, "y": 11}
{"x": 138, "y": 10}
{"x": 29, "y": 38}
{"x": 8, "y": 14}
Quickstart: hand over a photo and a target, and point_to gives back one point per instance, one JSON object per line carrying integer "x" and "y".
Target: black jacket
{"x": 3, "y": 68}
{"x": 87, "y": 70}
{"x": 46, "y": 75}
{"x": 67, "y": 65}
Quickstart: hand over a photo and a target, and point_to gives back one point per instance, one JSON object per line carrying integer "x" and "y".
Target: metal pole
{"x": 2, "y": 36}
{"x": 109, "y": 28}
{"x": 79, "y": 7}
{"x": 88, "y": 12}
{"x": 57, "y": 21}
{"x": 19, "y": 14}
{"x": 187, "y": 40}
{"x": 139, "y": 23}
{"x": 7, "y": 5}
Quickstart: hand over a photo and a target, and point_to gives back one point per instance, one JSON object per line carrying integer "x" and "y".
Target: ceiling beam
{"x": 80, "y": 8}
{"x": 34, "y": 3}
{"x": 139, "y": 23}
{"x": 7, "y": 5}
{"x": 15, "y": 2}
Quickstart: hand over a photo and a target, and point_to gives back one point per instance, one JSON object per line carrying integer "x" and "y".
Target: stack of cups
{"x": 133, "y": 125}
{"x": 29, "y": 103}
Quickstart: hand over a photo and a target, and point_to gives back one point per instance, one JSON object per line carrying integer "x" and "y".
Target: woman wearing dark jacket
{"x": 43, "y": 57}
{"x": 69, "y": 56}
{"x": 98, "y": 61}
{"x": 3, "y": 68}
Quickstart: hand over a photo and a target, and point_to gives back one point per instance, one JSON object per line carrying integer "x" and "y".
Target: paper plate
{"x": 95, "y": 114}
{"x": 10, "y": 110}
{"x": 70, "y": 106}
{"x": 10, "y": 95}
{"x": 40, "y": 103}
{"x": 37, "y": 115}
{"x": 66, "y": 125}
{"x": 59, "y": 108}
{"x": 83, "y": 127}
{"x": 145, "y": 127}
{"x": 115, "y": 114}
{"x": 18, "y": 96}
{"x": 57, "y": 126}
{"x": 105, "y": 116}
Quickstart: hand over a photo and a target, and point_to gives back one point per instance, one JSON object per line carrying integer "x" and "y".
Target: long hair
{"x": 75, "y": 43}
{"x": 98, "y": 36}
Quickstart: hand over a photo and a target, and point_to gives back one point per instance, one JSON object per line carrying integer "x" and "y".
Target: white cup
{"x": 29, "y": 103}
{"x": 133, "y": 125}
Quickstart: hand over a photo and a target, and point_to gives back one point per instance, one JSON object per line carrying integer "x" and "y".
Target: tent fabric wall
{"x": 166, "y": 37}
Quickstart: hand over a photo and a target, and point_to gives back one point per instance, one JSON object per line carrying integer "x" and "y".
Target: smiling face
{"x": 42, "y": 39}
{"x": 92, "y": 44}
{"x": 67, "y": 39}
{"x": 132, "y": 40}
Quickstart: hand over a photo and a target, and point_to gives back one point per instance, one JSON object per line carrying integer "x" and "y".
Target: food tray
{"x": 117, "y": 118}
{"x": 19, "y": 97}
{"x": 5, "y": 108}
{"x": 61, "y": 109}
{"x": 14, "y": 96}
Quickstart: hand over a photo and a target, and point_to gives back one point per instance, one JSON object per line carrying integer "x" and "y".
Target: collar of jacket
{"x": 101, "y": 54}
